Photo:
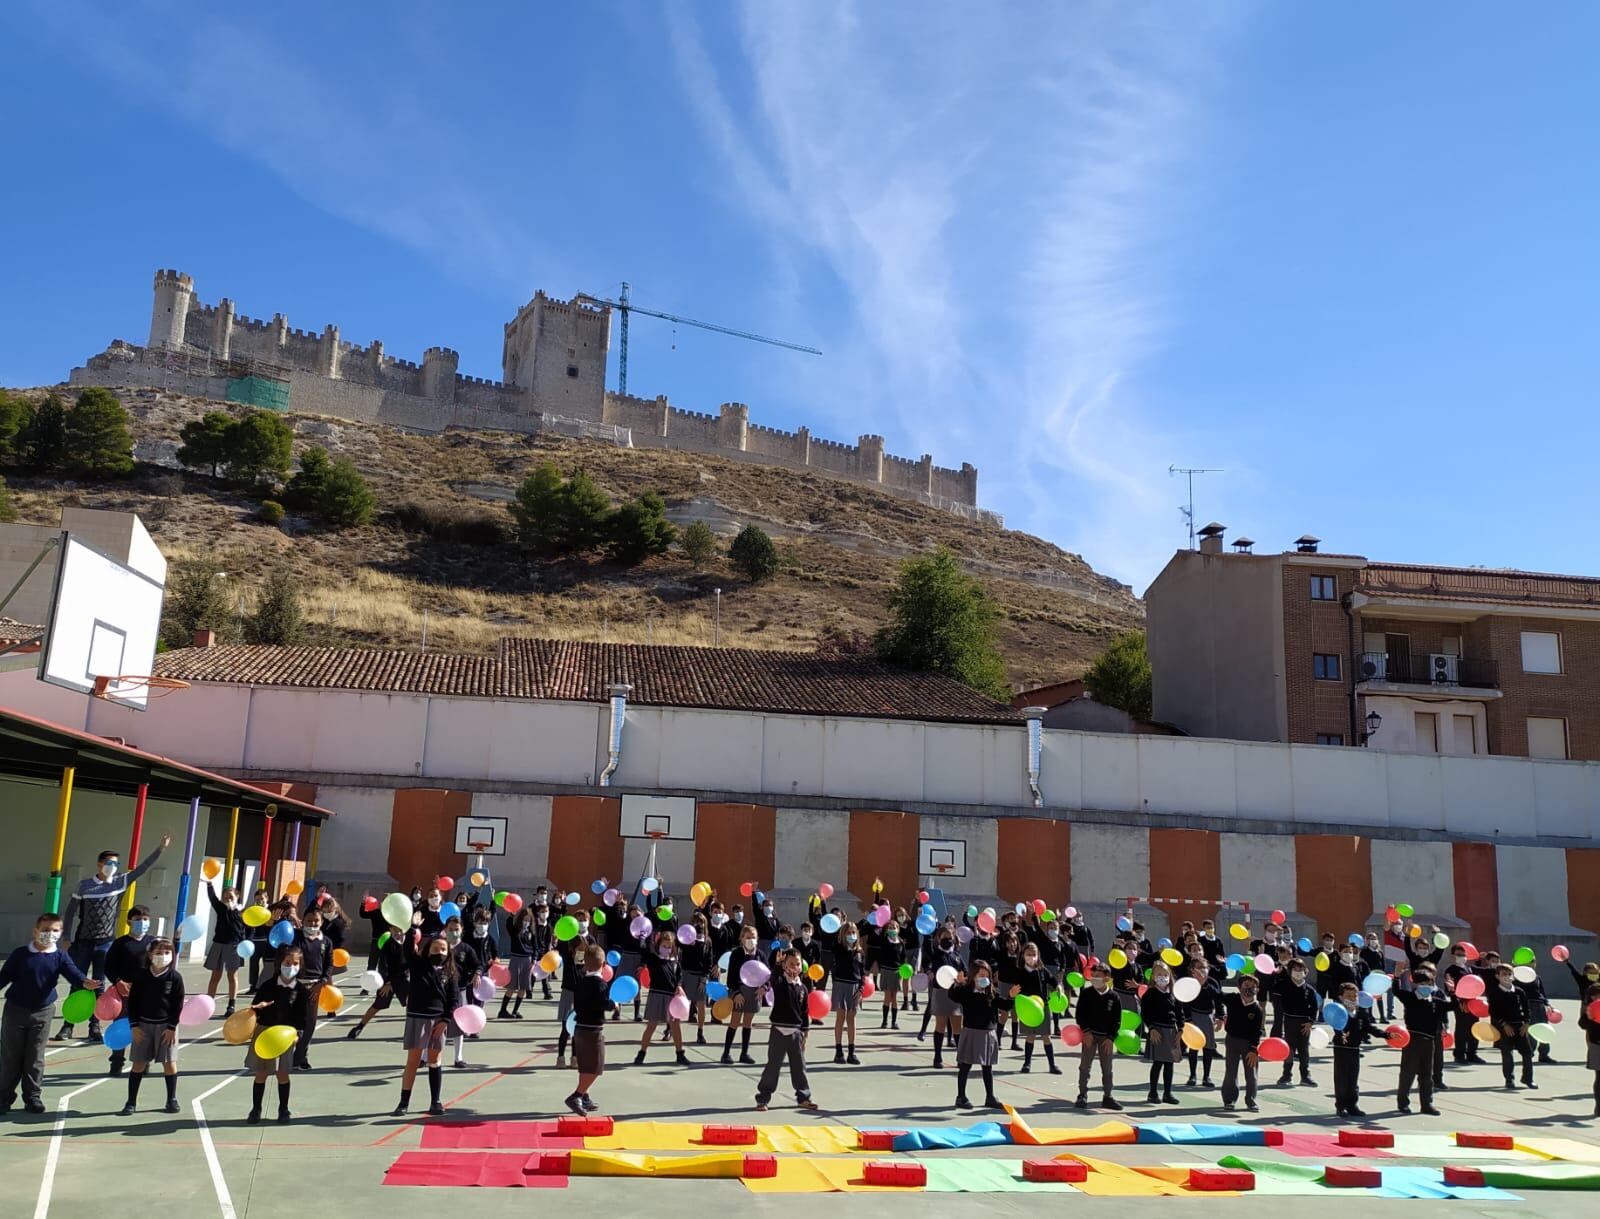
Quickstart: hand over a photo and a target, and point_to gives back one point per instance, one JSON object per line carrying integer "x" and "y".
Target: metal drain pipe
{"x": 1035, "y": 751}
{"x": 619, "y": 692}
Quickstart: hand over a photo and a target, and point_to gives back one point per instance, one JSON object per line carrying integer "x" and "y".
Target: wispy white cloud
{"x": 994, "y": 196}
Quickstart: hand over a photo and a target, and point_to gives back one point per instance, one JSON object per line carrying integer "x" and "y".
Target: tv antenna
{"x": 1188, "y": 509}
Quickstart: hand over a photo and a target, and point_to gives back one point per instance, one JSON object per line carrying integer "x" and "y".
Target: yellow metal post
{"x": 316, "y": 841}
{"x": 52, "y": 893}
{"x": 233, "y": 838}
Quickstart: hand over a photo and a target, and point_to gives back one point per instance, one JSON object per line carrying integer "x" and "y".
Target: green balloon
{"x": 383, "y": 939}
{"x": 1030, "y": 1011}
{"x": 598, "y": 918}
{"x": 566, "y": 928}
{"x": 1127, "y": 1040}
{"x": 1249, "y": 966}
{"x": 1075, "y": 980}
{"x": 78, "y": 1007}
{"x": 1058, "y": 1002}
{"x": 1047, "y": 917}
{"x": 1522, "y": 956}
{"x": 1405, "y": 910}
{"x": 972, "y": 912}
{"x": 1130, "y": 1023}
{"x": 664, "y": 913}
{"x": 905, "y": 971}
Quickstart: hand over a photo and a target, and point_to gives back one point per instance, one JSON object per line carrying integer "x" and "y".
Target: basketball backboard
{"x": 941, "y": 857}
{"x": 658, "y": 817}
{"x": 481, "y": 835}
{"x": 104, "y": 621}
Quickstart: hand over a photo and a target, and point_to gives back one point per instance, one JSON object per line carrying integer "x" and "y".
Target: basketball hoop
{"x": 655, "y": 835}
{"x": 155, "y": 687}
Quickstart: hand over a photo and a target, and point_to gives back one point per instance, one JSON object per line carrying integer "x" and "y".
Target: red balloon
{"x": 986, "y": 922}
{"x": 1278, "y": 916}
{"x": 1071, "y": 1035}
{"x": 1039, "y": 906}
{"x": 868, "y": 989}
{"x": 1449, "y": 1040}
{"x": 1399, "y": 1037}
{"x": 1468, "y": 947}
{"x": 818, "y": 1004}
{"x": 512, "y": 904}
{"x": 1555, "y": 1015}
{"x": 922, "y": 896}
{"x": 1274, "y": 1049}
{"x": 369, "y": 904}
{"x": 444, "y": 882}
{"x": 1478, "y": 1007}
{"x": 1594, "y": 1010}
{"x": 748, "y": 888}
{"x": 643, "y": 977}
{"x": 1469, "y": 986}
{"x": 1391, "y": 915}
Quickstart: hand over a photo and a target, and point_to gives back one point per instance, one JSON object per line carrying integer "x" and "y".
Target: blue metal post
{"x": 183, "y": 881}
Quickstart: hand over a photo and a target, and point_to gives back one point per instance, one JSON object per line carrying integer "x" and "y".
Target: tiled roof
{"x": 729, "y": 678}
{"x": 12, "y": 631}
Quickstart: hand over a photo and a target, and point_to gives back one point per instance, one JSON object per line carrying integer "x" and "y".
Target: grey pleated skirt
{"x": 978, "y": 1048}
{"x": 846, "y": 996}
{"x": 655, "y": 1007}
{"x": 943, "y": 1005}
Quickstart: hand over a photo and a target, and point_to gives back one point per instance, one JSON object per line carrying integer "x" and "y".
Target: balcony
{"x": 1438, "y": 675}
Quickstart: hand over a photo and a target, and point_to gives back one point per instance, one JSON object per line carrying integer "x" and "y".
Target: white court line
{"x": 218, "y": 1181}
{"x": 47, "y": 1185}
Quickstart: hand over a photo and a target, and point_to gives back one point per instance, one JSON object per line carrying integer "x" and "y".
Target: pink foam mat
{"x": 497, "y": 1136}
{"x": 1327, "y": 1146}
{"x": 489, "y": 1169}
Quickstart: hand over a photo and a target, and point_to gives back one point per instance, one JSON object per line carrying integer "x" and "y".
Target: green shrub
{"x": 270, "y": 512}
{"x": 753, "y": 554}
{"x": 697, "y": 542}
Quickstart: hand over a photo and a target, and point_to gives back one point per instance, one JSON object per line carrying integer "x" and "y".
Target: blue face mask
{"x": 139, "y": 926}
{"x": 1424, "y": 991}
{"x": 981, "y": 983}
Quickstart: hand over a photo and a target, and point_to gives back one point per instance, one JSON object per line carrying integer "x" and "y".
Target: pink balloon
{"x": 1265, "y": 964}
{"x": 1469, "y": 986}
{"x": 881, "y": 916}
{"x": 1070, "y": 912}
{"x": 986, "y": 921}
{"x": 818, "y": 1005}
{"x": 499, "y": 974}
{"x": 640, "y": 927}
{"x": 197, "y": 1009}
{"x": 470, "y": 1019}
{"x": 606, "y": 972}
{"x": 687, "y": 935}
{"x": 1071, "y": 1035}
{"x": 1559, "y": 953}
{"x": 109, "y": 1005}
{"x": 824, "y": 890}
{"x": 610, "y": 897}
{"x": 678, "y": 1009}
{"x": 1555, "y": 1015}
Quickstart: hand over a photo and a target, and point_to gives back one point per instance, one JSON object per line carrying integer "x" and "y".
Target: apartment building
{"x": 1337, "y": 649}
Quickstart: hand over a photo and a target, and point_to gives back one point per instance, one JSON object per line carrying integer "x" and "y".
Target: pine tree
{"x": 697, "y": 542}
{"x": 753, "y": 553}
{"x": 306, "y": 489}
{"x": 943, "y": 622}
{"x": 586, "y": 514}
{"x": 640, "y": 529}
{"x": 14, "y": 416}
{"x": 98, "y": 443}
{"x": 1120, "y": 676}
{"x": 260, "y": 446}
{"x": 197, "y": 598}
{"x": 43, "y": 438}
{"x": 278, "y": 618}
{"x": 537, "y": 510}
{"x": 8, "y": 510}
{"x": 346, "y": 499}
{"x": 205, "y": 441}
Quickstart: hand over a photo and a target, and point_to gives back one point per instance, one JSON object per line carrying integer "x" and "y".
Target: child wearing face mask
{"x": 979, "y": 1046}
{"x": 787, "y": 1038}
{"x": 891, "y": 955}
{"x": 746, "y": 998}
{"x": 571, "y": 954}
{"x": 620, "y": 939}
{"x": 154, "y": 1002}
{"x": 278, "y": 1000}
{"x": 1244, "y": 1023}
{"x": 427, "y": 918}
{"x": 1299, "y": 1004}
{"x": 473, "y": 955}
{"x": 698, "y": 963}
{"x": 1591, "y": 1030}
{"x": 1032, "y": 978}
{"x": 519, "y": 957}
{"x": 849, "y": 970}
{"x": 29, "y": 979}
{"x": 1099, "y": 1015}
{"x": 125, "y": 962}
{"x": 1466, "y": 1047}
{"x": 394, "y": 970}
{"x": 590, "y": 1002}
{"x": 1203, "y": 1011}
{"x": 316, "y": 964}
{"x": 942, "y": 1009}
{"x": 432, "y": 994}
{"x": 1510, "y": 1013}
{"x": 666, "y": 977}
{"x": 1159, "y": 1011}
{"x": 1426, "y": 1009}
{"x": 228, "y": 931}
{"x": 264, "y": 952}
{"x": 1347, "y": 1042}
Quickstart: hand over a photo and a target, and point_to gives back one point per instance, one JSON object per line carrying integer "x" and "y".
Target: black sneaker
{"x": 33, "y": 1106}
{"x": 353, "y": 1033}
{"x": 434, "y": 1110}
{"x": 1430, "y": 1111}
{"x": 1252, "y": 1106}
{"x": 1081, "y": 1103}
{"x": 172, "y": 1106}
{"x": 727, "y": 1058}
{"x": 126, "y": 1110}
{"x": 284, "y": 1117}
{"x": 589, "y": 1105}
{"x": 1405, "y": 1109}
{"x": 638, "y": 1059}
{"x": 399, "y": 1111}
{"x": 856, "y": 1062}
{"x": 575, "y": 1103}
{"x": 254, "y": 1117}
{"x": 963, "y": 1103}
{"x": 746, "y": 1060}
{"x": 1110, "y": 1102}
{"x": 1352, "y": 1111}
{"x": 94, "y": 1035}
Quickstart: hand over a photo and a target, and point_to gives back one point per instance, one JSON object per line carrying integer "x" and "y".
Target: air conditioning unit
{"x": 1374, "y": 667}
{"x": 1443, "y": 668}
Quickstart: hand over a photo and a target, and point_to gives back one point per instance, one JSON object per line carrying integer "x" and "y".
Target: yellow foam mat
{"x": 722, "y": 1164}
{"x": 1108, "y": 1179}
{"x": 685, "y": 1136}
{"x": 1111, "y": 1132}
{"x": 1575, "y": 1150}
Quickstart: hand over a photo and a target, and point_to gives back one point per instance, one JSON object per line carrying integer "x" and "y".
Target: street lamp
{"x": 1374, "y": 722}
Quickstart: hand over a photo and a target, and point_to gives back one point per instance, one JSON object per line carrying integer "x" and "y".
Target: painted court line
{"x": 48, "y": 1184}
{"x": 218, "y": 1181}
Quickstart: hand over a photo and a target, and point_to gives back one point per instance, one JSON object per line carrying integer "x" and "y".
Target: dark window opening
{"x": 1323, "y": 588}
{"x": 1330, "y": 738}
{"x": 572, "y": 370}
{"x": 1325, "y": 666}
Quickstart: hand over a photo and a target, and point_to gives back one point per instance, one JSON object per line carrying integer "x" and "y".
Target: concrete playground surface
{"x": 205, "y": 1161}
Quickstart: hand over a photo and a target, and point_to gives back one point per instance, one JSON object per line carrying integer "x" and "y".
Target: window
{"x": 1325, "y": 666}
{"x": 1464, "y": 735}
{"x": 1324, "y": 589}
{"x": 1330, "y": 738}
{"x": 1547, "y": 737}
{"x": 1427, "y": 732}
{"x": 572, "y": 370}
{"x": 1541, "y": 652}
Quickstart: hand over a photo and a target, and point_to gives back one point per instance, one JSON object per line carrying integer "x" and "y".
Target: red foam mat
{"x": 496, "y": 1136}
{"x": 1327, "y": 1146}
{"x": 488, "y": 1169}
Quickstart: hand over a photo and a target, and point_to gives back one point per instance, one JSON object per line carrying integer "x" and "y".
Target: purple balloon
{"x": 754, "y": 973}
{"x": 686, "y": 935}
{"x": 640, "y": 927}
{"x": 610, "y": 897}
{"x": 963, "y": 933}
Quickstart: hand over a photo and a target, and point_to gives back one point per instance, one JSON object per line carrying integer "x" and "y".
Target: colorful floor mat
{"x": 457, "y": 1169}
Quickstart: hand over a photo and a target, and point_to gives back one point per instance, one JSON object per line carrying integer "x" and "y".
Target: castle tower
{"x": 733, "y": 426}
{"x": 169, "y": 316}
{"x": 222, "y": 329}
{"x": 328, "y": 352}
{"x": 872, "y": 458}
{"x": 439, "y": 366}
{"x": 556, "y": 351}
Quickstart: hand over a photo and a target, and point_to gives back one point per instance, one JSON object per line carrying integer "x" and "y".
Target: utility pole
{"x": 1188, "y": 508}
{"x": 716, "y": 621}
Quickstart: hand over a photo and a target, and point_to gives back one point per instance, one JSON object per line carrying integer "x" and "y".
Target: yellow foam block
{"x": 685, "y": 1136}
{"x": 722, "y": 1164}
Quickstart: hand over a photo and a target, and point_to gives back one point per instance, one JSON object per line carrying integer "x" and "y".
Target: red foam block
{"x": 728, "y": 1136}
{"x": 573, "y": 1126}
{"x": 1352, "y": 1176}
{"x": 893, "y": 1172}
{"x": 1366, "y": 1138}
{"x": 1209, "y": 1179}
{"x": 1455, "y": 1174}
{"x": 760, "y": 1165}
{"x": 549, "y": 1164}
{"x": 1070, "y": 1171}
{"x": 1493, "y": 1142}
{"x": 1272, "y": 1138}
{"x": 877, "y": 1140}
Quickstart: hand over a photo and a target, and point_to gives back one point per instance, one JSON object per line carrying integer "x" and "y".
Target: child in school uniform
{"x": 891, "y": 955}
{"x": 154, "y": 1003}
{"x": 911, "y": 940}
{"x": 1466, "y": 1047}
{"x": 467, "y": 956}
{"x": 787, "y": 1036}
{"x": 29, "y": 979}
{"x": 432, "y": 994}
{"x": 1162, "y": 1017}
{"x": 393, "y": 967}
{"x": 227, "y": 933}
{"x": 666, "y": 977}
{"x": 697, "y": 963}
{"x": 590, "y": 1003}
{"x": 1509, "y": 1011}
{"x": 571, "y": 954}
{"x": 263, "y": 953}
{"x": 1032, "y": 978}
{"x": 1298, "y": 1002}
{"x": 1347, "y": 1042}
{"x": 746, "y": 998}
{"x": 124, "y": 962}
{"x": 1591, "y": 1030}
{"x": 316, "y": 966}
{"x": 1244, "y": 1022}
{"x": 519, "y": 958}
{"x": 1427, "y": 1011}
{"x": 1007, "y": 972}
{"x": 942, "y": 1009}
{"x": 979, "y": 1046}
{"x": 1538, "y": 1013}
{"x": 280, "y": 999}
{"x": 1099, "y": 1015}
{"x": 849, "y": 971}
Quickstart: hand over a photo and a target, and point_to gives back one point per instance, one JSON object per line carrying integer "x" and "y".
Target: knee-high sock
{"x": 435, "y": 1080}
{"x": 963, "y": 1071}
{"x": 1050, "y": 1054}
{"x": 135, "y": 1078}
{"x": 727, "y": 1041}
{"x": 283, "y": 1097}
{"x": 172, "y": 1086}
{"x": 988, "y": 1083}
{"x": 927, "y": 1018}
{"x": 257, "y": 1092}
{"x": 1027, "y": 1054}
{"x": 744, "y": 1040}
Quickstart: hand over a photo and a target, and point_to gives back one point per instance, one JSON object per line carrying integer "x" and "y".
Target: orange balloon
{"x": 341, "y": 958}
{"x": 294, "y": 888}
{"x": 211, "y": 869}
{"x": 330, "y": 1000}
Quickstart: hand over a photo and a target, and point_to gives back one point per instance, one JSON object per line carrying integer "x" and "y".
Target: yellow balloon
{"x": 1116, "y": 958}
{"x": 211, "y": 869}
{"x": 1484, "y": 1031}
{"x": 815, "y": 973}
{"x": 1172, "y": 957}
{"x": 238, "y": 1028}
{"x": 550, "y": 962}
{"x": 1322, "y": 961}
{"x": 722, "y": 1008}
{"x": 1239, "y": 931}
{"x": 274, "y": 1041}
{"x": 700, "y": 893}
{"x": 294, "y": 888}
{"x": 1194, "y": 1037}
{"x": 330, "y": 1000}
{"x": 256, "y": 916}
{"x": 477, "y": 879}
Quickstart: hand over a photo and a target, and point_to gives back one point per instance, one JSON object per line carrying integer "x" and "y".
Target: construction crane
{"x": 624, "y": 307}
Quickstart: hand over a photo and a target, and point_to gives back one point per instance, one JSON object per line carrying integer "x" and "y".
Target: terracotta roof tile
{"x": 730, "y": 678}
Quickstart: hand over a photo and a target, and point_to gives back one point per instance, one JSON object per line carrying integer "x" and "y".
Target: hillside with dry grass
{"x": 439, "y": 559}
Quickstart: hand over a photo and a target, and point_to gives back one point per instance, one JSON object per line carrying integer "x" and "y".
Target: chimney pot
{"x": 1306, "y": 544}
{"x": 1211, "y": 538}
{"x": 205, "y": 639}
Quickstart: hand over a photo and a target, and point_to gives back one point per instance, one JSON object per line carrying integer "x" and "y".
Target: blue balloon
{"x": 572, "y": 1024}
{"x": 926, "y": 925}
{"x": 448, "y": 911}
{"x": 761, "y": 898}
{"x": 282, "y": 933}
{"x": 928, "y": 912}
{"x": 829, "y": 922}
{"x": 118, "y": 1034}
{"x": 624, "y": 989}
{"x": 597, "y": 886}
{"x": 1235, "y": 961}
{"x": 1363, "y": 1000}
{"x": 715, "y": 991}
{"x": 1357, "y": 938}
{"x": 1335, "y": 1016}
{"x": 1163, "y": 942}
{"x": 1124, "y": 923}
{"x": 1304, "y": 945}
{"x": 613, "y": 958}
{"x": 245, "y": 949}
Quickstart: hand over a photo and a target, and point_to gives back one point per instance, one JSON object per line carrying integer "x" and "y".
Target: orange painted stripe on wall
{"x": 1035, "y": 859}
{"x": 884, "y": 845}
{"x": 1583, "y": 888}
{"x": 1477, "y": 881}
{"x": 585, "y": 842}
{"x": 1333, "y": 881}
{"x": 422, "y": 834}
{"x": 734, "y": 843}
{"x": 1186, "y": 863}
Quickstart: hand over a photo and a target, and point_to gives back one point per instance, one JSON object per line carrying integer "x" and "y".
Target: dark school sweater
{"x": 153, "y": 1000}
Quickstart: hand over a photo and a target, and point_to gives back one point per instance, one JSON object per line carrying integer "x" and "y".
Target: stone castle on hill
{"x": 554, "y": 369}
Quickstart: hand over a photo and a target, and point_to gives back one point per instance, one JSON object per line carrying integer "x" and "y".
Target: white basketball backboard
{"x": 941, "y": 857}
{"x": 481, "y": 835}
{"x": 104, "y": 620}
{"x": 658, "y": 816}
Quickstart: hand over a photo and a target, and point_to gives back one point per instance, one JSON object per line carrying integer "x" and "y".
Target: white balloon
{"x": 1321, "y": 1038}
{"x": 945, "y": 977}
{"x": 1524, "y": 973}
{"x": 1186, "y": 990}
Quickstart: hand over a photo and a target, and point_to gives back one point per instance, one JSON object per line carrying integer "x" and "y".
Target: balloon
{"x": 118, "y": 1034}
{"x": 1265, "y": 964}
{"x": 368, "y": 904}
{"x": 1559, "y": 953}
{"x": 1058, "y": 1002}
{"x": 815, "y": 972}
{"x": 1398, "y": 1036}
{"x": 1186, "y": 990}
{"x": 1071, "y": 912}
{"x": 571, "y": 899}
{"x": 499, "y": 974}
{"x": 1335, "y": 1016}
{"x": 597, "y": 887}
{"x": 1414, "y": 931}
{"x": 341, "y": 958}
{"x": 1555, "y": 1015}
{"x": 1124, "y": 923}
{"x": 294, "y": 888}
{"x": 1363, "y": 1000}
{"x": 1249, "y": 966}
{"x": 1116, "y": 958}
{"x": 1478, "y": 1007}
{"x": 624, "y": 989}
{"x": 1469, "y": 986}
{"x": 964, "y": 935}
{"x": 922, "y": 896}
{"x": 678, "y": 1007}
{"x": 824, "y": 890}
{"x": 260, "y": 916}
{"x": 986, "y": 922}
{"x": 1046, "y": 916}
{"x": 722, "y": 1008}
{"x": 972, "y": 912}
{"x": 1039, "y": 906}
{"x": 477, "y": 879}
{"x": 868, "y": 988}
{"x": 664, "y": 913}
{"x": 818, "y": 1005}
{"x": 723, "y": 960}
{"x": 396, "y": 910}
{"x": 1127, "y": 1041}
{"x": 1071, "y": 1035}
{"x": 639, "y": 928}
{"x": 1471, "y": 949}
{"x": 211, "y": 869}
{"x": 371, "y": 980}
{"x": 1274, "y": 1049}
{"x": 1391, "y": 915}
{"x": 1542, "y": 1033}
{"x": 919, "y": 982}
{"x": 1486, "y": 1032}
{"x": 1357, "y": 939}
{"x": 469, "y": 1019}
{"x": 754, "y": 973}
{"x": 945, "y": 976}
{"x": 1319, "y": 1037}
{"x": 282, "y": 934}
{"x": 1323, "y": 961}
{"x": 274, "y": 1041}
{"x": 829, "y": 923}
{"x": 550, "y": 962}
{"x": 687, "y": 935}
{"x": 699, "y": 893}
{"x": 240, "y": 1027}
{"x": 1172, "y": 957}
{"x": 1235, "y": 961}
{"x": 1523, "y": 956}
{"x": 1075, "y": 980}
{"x": 1304, "y": 945}
{"x": 448, "y": 911}
{"x": 483, "y": 990}
{"x": 109, "y": 1005}
{"x": 197, "y": 1009}
{"x": 79, "y": 1006}
{"x": 1404, "y": 909}
{"x": 1030, "y": 1011}
{"x": 1130, "y": 1021}
{"x": 572, "y": 1024}
{"x": 444, "y": 883}
{"x": 331, "y": 998}
{"x": 1239, "y": 931}
{"x": 882, "y": 915}
{"x": 1278, "y": 916}
{"x": 930, "y": 912}
{"x": 927, "y": 925}
{"x": 748, "y": 888}
{"x": 1376, "y": 983}
{"x": 511, "y": 903}
{"x": 1524, "y": 974}
{"x": 1441, "y": 940}
{"x": 1448, "y": 1040}
{"x": 905, "y": 971}
{"x": 245, "y": 949}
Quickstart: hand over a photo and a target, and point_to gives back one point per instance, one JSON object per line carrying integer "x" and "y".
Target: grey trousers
{"x": 1240, "y": 1051}
{"x": 779, "y": 1047}
{"x": 23, "y": 1035}
{"x": 1095, "y": 1047}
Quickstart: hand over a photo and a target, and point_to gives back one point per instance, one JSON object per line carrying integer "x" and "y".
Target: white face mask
{"x": 231, "y": 905}
{"x": 160, "y": 960}
{"x": 583, "y": 929}
{"x": 313, "y": 933}
{"x": 1163, "y": 983}
{"x": 288, "y": 972}
{"x": 49, "y": 939}
{"x": 108, "y": 869}
{"x": 1102, "y": 984}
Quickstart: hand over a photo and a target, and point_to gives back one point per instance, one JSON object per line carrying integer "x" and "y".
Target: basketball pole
{"x": 133, "y": 847}
{"x": 52, "y": 892}
{"x": 183, "y": 879}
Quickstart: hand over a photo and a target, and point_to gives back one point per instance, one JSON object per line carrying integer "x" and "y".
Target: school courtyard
{"x": 342, "y": 1143}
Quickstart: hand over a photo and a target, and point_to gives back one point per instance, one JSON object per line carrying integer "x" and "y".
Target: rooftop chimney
{"x": 1211, "y": 538}
{"x": 1306, "y": 544}
{"x": 204, "y": 639}
{"x": 1243, "y": 545}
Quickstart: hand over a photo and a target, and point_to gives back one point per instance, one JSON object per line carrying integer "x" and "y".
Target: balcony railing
{"x": 1379, "y": 579}
{"x": 1404, "y": 668}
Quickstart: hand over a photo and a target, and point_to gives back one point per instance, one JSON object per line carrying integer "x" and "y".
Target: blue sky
{"x": 1348, "y": 253}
